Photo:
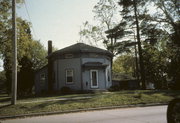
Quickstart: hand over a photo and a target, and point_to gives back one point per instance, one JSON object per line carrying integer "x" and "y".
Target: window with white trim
{"x": 69, "y": 76}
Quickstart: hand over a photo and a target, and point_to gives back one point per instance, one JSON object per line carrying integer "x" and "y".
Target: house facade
{"x": 79, "y": 67}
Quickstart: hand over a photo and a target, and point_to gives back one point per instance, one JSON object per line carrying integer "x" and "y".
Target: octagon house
{"x": 79, "y": 67}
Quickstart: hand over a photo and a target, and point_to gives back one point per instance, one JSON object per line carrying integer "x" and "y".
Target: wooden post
{"x": 14, "y": 46}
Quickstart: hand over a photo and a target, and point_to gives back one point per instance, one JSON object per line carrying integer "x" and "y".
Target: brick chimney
{"x": 49, "y": 47}
{"x": 50, "y": 68}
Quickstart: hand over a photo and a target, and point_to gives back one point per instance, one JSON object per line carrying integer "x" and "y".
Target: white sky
{"x": 57, "y": 20}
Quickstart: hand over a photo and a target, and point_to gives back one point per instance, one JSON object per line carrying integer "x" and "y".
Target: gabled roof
{"x": 81, "y": 48}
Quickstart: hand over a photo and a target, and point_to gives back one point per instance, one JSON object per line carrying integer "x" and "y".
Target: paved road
{"x": 154, "y": 114}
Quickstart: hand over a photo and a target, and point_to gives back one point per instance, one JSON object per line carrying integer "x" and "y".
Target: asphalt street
{"x": 153, "y": 114}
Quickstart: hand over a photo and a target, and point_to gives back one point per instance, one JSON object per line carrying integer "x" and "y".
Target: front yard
{"x": 84, "y": 101}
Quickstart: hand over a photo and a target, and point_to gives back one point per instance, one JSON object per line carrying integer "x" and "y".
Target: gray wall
{"x": 103, "y": 82}
{"x": 39, "y": 88}
{"x": 80, "y": 82}
{"x": 87, "y": 80}
{"x": 60, "y": 67}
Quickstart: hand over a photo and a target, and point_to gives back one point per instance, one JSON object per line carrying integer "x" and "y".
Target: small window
{"x": 108, "y": 76}
{"x": 68, "y": 56}
{"x": 69, "y": 76}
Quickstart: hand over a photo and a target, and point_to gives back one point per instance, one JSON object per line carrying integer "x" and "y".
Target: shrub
{"x": 66, "y": 90}
{"x": 114, "y": 88}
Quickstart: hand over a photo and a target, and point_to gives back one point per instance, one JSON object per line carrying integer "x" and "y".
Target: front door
{"x": 94, "y": 78}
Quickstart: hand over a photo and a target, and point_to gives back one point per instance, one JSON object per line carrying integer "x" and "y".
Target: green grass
{"x": 97, "y": 100}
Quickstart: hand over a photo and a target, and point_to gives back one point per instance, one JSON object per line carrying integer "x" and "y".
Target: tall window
{"x": 69, "y": 76}
{"x": 108, "y": 75}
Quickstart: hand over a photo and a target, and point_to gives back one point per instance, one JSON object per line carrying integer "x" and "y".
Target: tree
{"x": 25, "y": 77}
{"x": 105, "y": 15}
{"x": 167, "y": 21}
{"x": 31, "y": 56}
{"x": 124, "y": 64}
{"x": 105, "y": 12}
{"x": 155, "y": 63}
{"x": 91, "y": 34}
{"x": 170, "y": 16}
{"x": 2, "y": 81}
{"x": 131, "y": 10}
{"x": 29, "y": 50}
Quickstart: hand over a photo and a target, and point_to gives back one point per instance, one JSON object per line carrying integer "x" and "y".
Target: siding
{"x": 39, "y": 87}
{"x": 60, "y": 67}
{"x": 103, "y": 82}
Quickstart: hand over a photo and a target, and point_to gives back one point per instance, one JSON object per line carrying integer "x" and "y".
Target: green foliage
{"x": 155, "y": 63}
{"x": 2, "y": 81}
{"x": 114, "y": 88}
{"x": 31, "y": 54}
{"x": 163, "y": 25}
{"x": 124, "y": 64}
{"x": 25, "y": 77}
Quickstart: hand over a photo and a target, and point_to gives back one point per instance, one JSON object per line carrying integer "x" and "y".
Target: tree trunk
{"x": 142, "y": 72}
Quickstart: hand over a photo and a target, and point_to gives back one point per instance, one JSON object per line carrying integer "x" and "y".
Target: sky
{"x": 57, "y": 20}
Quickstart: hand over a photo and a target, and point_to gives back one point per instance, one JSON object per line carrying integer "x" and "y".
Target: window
{"x": 42, "y": 79}
{"x": 94, "y": 79}
{"x": 69, "y": 76}
{"x": 108, "y": 75}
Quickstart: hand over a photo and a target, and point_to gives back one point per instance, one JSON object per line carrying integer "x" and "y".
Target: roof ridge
{"x": 81, "y": 47}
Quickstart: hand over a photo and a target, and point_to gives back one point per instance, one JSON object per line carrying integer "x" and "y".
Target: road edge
{"x": 80, "y": 110}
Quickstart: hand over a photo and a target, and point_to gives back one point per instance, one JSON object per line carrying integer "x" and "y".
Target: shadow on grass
{"x": 5, "y": 100}
{"x": 4, "y": 106}
{"x": 3, "y": 95}
{"x": 61, "y": 102}
{"x": 172, "y": 93}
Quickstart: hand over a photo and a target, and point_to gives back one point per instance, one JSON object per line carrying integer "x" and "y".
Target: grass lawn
{"x": 101, "y": 99}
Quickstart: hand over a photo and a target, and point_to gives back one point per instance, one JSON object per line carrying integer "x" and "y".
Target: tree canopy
{"x": 153, "y": 26}
{"x": 31, "y": 53}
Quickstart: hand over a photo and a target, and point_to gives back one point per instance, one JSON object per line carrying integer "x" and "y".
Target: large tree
{"x": 131, "y": 11}
{"x": 29, "y": 50}
{"x": 124, "y": 64}
{"x": 155, "y": 63}
{"x": 105, "y": 14}
{"x": 164, "y": 24}
{"x": 169, "y": 18}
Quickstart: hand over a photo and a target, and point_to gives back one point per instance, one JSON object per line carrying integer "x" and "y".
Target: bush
{"x": 66, "y": 90}
{"x": 114, "y": 88}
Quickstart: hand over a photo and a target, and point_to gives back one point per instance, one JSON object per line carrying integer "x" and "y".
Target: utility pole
{"x": 14, "y": 60}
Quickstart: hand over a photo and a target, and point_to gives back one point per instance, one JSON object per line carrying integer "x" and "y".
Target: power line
{"x": 29, "y": 18}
